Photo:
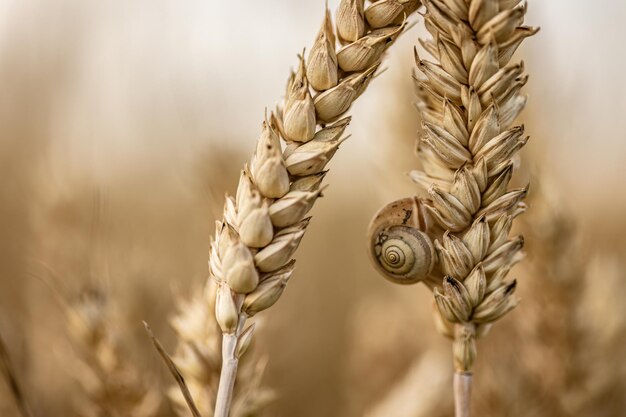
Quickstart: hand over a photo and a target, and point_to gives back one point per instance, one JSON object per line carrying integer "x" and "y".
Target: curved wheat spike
{"x": 263, "y": 224}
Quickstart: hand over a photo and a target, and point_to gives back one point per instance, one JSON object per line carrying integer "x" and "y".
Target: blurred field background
{"x": 123, "y": 123}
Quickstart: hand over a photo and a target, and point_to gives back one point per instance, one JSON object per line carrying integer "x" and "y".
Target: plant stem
{"x": 227, "y": 376}
{"x": 7, "y": 370}
{"x": 462, "y": 394}
{"x": 230, "y": 362}
{"x": 464, "y": 353}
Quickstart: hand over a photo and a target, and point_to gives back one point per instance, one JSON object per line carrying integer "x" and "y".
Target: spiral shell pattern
{"x": 400, "y": 250}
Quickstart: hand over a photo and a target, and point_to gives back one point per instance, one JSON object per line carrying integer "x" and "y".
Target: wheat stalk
{"x": 469, "y": 98}
{"x": 9, "y": 374}
{"x": 251, "y": 255}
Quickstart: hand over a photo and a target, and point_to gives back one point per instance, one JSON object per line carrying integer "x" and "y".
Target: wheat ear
{"x": 198, "y": 360}
{"x": 113, "y": 385}
{"x": 575, "y": 283}
{"x": 469, "y": 98}
{"x": 251, "y": 255}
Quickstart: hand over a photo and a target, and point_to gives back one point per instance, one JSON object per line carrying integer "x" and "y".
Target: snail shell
{"x": 398, "y": 245}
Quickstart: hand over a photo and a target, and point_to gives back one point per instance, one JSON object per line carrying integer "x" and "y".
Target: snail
{"x": 399, "y": 246}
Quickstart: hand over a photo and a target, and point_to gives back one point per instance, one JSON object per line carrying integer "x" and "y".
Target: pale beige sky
{"x": 156, "y": 80}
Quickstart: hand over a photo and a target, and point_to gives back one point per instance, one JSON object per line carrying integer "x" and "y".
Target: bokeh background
{"x": 123, "y": 123}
